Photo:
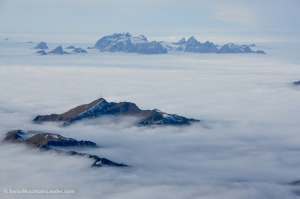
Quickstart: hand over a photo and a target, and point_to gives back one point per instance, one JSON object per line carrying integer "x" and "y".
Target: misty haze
{"x": 200, "y": 100}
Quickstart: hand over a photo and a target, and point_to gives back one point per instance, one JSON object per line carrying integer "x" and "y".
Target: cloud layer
{"x": 246, "y": 147}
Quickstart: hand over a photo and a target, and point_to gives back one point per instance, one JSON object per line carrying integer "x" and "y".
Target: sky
{"x": 150, "y": 17}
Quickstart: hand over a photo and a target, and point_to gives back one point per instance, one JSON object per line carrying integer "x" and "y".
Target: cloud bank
{"x": 246, "y": 147}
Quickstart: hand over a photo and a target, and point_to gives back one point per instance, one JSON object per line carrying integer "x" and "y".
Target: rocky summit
{"x": 56, "y": 142}
{"x": 101, "y": 107}
{"x": 58, "y": 50}
{"x": 125, "y": 42}
{"x": 42, "y": 45}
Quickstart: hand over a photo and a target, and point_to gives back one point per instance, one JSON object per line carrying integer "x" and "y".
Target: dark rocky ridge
{"x": 101, "y": 107}
{"x": 47, "y": 141}
{"x": 296, "y": 83}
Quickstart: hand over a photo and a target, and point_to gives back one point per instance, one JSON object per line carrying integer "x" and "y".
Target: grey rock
{"x": 41, "y": 52}
{"x": 296, "y": 84}
{"x": 79, "y": 50}
{"x": 41, "y": 45}
{"x": 58, "y": 50}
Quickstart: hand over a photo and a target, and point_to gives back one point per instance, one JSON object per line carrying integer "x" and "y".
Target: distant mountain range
{"x": 125, "y": 42}
{"x": 58, "y": 50}
{"x": 101, "y": 107}
{"x": 55, "y": 142}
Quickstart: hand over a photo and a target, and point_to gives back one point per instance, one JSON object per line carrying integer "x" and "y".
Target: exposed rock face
{"x": 44, "y": 140}
{"x": 58, "y": 50}
{"x": 127, "y": 43}
{"x": 50, "y": 141}
{"x": 101, "y": 107}
{"x": 41, "y": 52}
{"x": 41, "y": 45}
{"x": 14, "y": 136}
{"x": 79, "y": 50}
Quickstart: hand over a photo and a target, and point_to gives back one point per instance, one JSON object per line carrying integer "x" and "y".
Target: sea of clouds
{"x": 247, "y": 144}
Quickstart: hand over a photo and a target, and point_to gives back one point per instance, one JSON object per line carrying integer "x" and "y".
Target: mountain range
{"x": 101, "y": 107}
{"x": 125, "y": 42}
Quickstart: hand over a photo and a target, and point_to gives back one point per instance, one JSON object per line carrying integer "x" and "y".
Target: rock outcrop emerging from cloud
{"x": 56, "y": 142}
{"x": 42, "y": 45}
{"x": 101, "y": 107}
{"x": 58, "y": 50}
{"x": 296, "y": 83}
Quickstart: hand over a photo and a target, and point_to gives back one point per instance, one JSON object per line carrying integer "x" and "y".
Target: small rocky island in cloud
{"x": 42, "y": 45}
{"x": 101, "y": 107}
{"x": 55, "y": 142}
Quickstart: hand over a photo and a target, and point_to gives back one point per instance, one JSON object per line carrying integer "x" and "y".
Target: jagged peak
{"x": 182, "y": 41}
{"x": 192, "y": 40}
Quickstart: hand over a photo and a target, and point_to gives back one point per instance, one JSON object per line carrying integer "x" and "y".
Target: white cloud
{"x": 247, "y": 149}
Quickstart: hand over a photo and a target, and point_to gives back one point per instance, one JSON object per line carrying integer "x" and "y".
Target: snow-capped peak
{"x": 232, "y": 46}
{"x": 138, "y": 40}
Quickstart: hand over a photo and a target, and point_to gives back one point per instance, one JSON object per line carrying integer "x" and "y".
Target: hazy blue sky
{"x": 150, "y": 17}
